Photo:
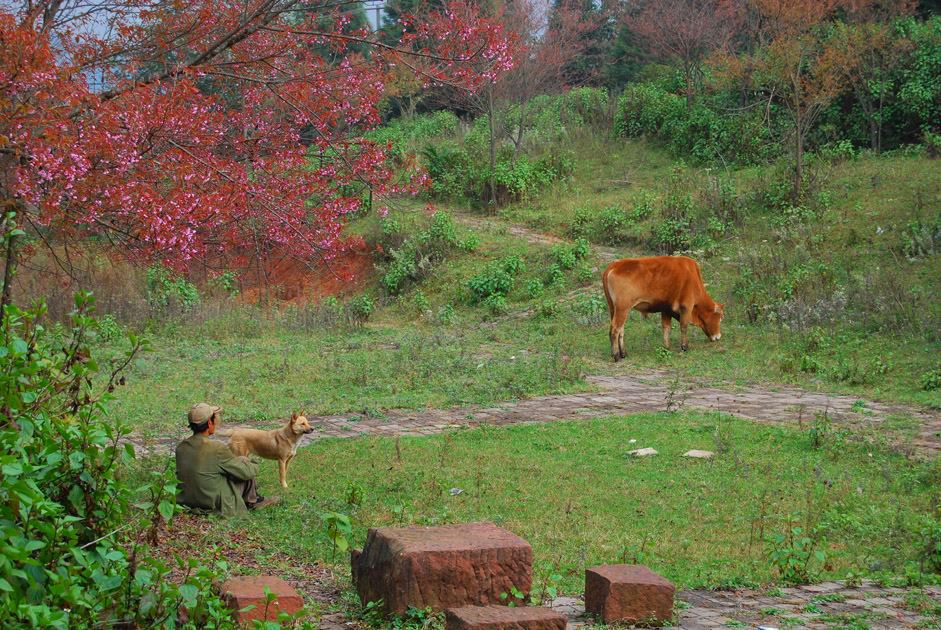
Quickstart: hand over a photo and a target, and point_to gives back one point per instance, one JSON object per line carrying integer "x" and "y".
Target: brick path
{"x": 621, "y": 395}
{"x": 826, "y": 605}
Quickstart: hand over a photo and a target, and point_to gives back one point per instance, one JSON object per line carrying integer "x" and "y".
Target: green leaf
{"x": 19, "y": 346}
{"x": 12, "y": 470}
{"x": 189, "y": 593}
{"x": 5, "y": 586}
{"x": 166, "y": 510}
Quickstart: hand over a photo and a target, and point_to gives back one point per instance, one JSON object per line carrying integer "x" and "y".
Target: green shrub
{"x": 495, "y": 280}
{"x": 495, "y": 304}
{"x": 449, "y": 167}
{"x": 402, "y": 135}
{"x": 555, "y": 276}
{"x": 590, "y": 310}
{"x": 535, "y": 288}
{"x": 360, "y": 309}
{"x": 931, "y": 546}
{"x": 931, "y": 380}
{"x": 446, "y": 314}
{"x": 672, "y": 235}
{"x": 584, "y": 106}
{"x": 166, "y": 289}
{"x": 922, "y": 238}
{"x": 547, "y": 309}
{"x": 413, "y": 258}
{"x": 646, "y": 109}
{"x": 74, "y": 531}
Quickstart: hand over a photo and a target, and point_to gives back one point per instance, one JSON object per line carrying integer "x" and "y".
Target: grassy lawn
{"x": 571, "y": 492}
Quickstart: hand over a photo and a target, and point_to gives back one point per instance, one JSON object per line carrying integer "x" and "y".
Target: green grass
{"x": 570, "y": 491}
{"x": 567, "y": 487}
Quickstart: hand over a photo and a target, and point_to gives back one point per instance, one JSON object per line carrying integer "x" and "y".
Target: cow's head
{"x": 709, "y": 319}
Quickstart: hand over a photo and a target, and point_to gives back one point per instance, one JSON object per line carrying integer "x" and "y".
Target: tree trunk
{"x": 689, "y": 86}
{"x": 493, "y": 147}
{"x": 8, "y": 271}
{"x": 879, "y": 120}
{"x": 518, "y": 143}
{"x": 798, "y": 157}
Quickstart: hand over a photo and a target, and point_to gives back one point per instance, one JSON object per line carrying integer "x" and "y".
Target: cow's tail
{"x": 607, "y": 292}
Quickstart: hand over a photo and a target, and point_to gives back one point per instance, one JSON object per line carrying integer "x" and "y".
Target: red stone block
{"x": 628, "y": 593}
{"x": 503, "y": 618}
{"x": 441, "y": 567}
{"x": 249, "y": 590}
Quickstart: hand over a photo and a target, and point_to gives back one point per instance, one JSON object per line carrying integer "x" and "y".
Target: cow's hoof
{"x": 684, "y": 348}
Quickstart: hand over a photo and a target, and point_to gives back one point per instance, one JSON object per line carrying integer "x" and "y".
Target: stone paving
{"x": 826, "y": 605}
{"x": 655, "y": 390}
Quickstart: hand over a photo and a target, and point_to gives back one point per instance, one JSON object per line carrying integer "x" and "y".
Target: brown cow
{"x": 669, "y": 285}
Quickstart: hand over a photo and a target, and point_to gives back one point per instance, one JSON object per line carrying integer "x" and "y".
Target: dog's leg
{"x": 283, "y": 469}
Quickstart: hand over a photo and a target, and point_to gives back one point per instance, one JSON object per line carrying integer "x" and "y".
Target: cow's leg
{"x": 685, "y": 317}
{"x": 667, "y": 322}
{"x": 613, "y": 338}
{"x": 617, "y": 333}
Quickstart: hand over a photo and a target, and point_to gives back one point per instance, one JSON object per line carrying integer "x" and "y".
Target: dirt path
{"x": 655, "y": 391}
{"x": 531, "y": 236}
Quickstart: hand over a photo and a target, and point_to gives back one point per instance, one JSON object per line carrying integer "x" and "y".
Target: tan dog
{"x": 279, "y": 444}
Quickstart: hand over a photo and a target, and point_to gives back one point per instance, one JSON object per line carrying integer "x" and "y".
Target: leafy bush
{"x": 75, "y": 544}
{"x": 449, "y": 167}
{"x": 166, "y": 289}
{"x": 535, "y": 288}
{"x": 459, "y": 173}
{"x": 404, "y": 134}
{"x": 584, "y": 106}
{"x": 931, "y": 380}
{"x": 932, "y": 142}
{"x": 413, "y": 258}
{"x": 922, "y": 238}
{"x": 496, "y": 304}
{"x": 590, "y": 310}
{"x": 931, "y": 546}
{"x": 567, "y": 256}
{"x": 792, "y": 555}
{"x": 360, "y": 309}
{"x": 702, "y": 133}
{"x": 495, "y": 280}
{"x": 646, "y": 109}
{"x": 613, "y": 224}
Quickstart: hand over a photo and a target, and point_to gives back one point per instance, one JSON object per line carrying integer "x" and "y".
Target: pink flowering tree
{"x": 185, "y": 129}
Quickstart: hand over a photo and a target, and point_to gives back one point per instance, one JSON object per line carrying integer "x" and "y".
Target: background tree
{"x": 686, "y": 32}
{"x": 113, "y": 119}
{"x": 795, "y": 63}
{"x": 871, "y": 52}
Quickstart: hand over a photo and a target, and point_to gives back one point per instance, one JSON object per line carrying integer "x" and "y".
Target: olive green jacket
{"x": 210, "y": 476}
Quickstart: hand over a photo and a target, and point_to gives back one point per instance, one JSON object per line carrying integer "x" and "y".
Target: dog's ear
{"x": 293, "y": 417}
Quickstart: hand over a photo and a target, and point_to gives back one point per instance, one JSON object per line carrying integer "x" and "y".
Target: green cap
{"x": 201, "y": 412}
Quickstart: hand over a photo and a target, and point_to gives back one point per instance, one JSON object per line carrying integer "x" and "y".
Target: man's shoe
{"x": 264, "y": 502}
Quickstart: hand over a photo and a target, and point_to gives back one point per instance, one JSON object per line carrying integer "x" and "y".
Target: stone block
{"x": 249, "y": 590}
{"x": 628, "y": 593}
{"x": 441, "y": 567}
{"x": 503, "y": 618}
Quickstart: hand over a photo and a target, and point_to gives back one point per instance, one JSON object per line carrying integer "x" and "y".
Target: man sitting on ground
{"x": 212, "y": 478}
